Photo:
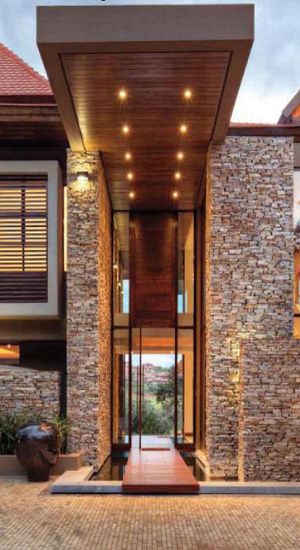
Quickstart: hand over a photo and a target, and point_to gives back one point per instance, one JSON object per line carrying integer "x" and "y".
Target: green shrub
{"x": 9, "y": 424}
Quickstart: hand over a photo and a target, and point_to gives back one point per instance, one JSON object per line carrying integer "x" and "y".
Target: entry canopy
{"x": 150, "y": 87}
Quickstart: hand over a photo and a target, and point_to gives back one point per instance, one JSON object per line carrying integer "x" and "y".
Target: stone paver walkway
{"x": 31, "y": 519}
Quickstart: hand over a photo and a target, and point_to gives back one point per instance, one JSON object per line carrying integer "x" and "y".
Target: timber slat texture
{"x": 153, "y": 269}
{"x": 23, "y": 239}
{"x": 158, "y": 472}
{"x": 154, "y": 111}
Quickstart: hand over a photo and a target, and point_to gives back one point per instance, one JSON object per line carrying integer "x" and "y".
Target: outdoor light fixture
{"x": 115, "y": 266}
{"x": 122, "y": 94}
{"x": 183, "y": 128}
{"x": 131, "y": 195}
{"x": 177, "y": 175}
{"x": 180, "y": 155}
{"x": 130, "y": 176}
{"x": 128, "y": 156}
{"x": 175, "y": 195}
{"x": 188, "y": 94}
{"x": 82, "y": 177}
{"x": 125, "y": 129}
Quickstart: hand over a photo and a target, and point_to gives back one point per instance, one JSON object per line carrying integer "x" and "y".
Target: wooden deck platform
{"x": 158, "y": 471}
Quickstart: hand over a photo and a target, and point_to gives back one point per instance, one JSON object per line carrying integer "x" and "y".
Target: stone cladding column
{"x": 89, "y": 309}
{"x": 249, "y": 257}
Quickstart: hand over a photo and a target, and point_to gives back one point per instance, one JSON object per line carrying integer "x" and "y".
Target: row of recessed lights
{"x": 128, "y": 156}
{"x": 123, "y": 95}
{"x": 187, "y": 94}
{"x": 126, "y": 129}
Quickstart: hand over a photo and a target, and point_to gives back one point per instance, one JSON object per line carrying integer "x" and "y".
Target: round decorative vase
{"x": 37, "y": 449}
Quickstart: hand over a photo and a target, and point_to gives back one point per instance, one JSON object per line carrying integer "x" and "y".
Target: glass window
{"x": 185, "y": 298}
{"x": 9, "y": 354}
{"x": 65, "y": 228}
{"x": 23, "y": 224}
{"x": 23, "y": 239}
{"x": 121, "y": 268}
{"x": 121, "y": 386}
{"x": 297, "y": 253}
{"x": 185, "y": 387}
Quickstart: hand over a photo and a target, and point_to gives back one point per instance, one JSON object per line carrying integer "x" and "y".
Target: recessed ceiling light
{"x": 187, "y": 93}
{"x": 128, "y": 156}
{"x": 183, "y": 128}
{"x": 131, "y": 195}
{"x": 180, "y": 155}
{"x": 122, "y": 94}
{"x": 177, "y": 175}
{"x": 175, "y": 194}
{"x": 130, "y": 176}
{"x": 125, "y": 129}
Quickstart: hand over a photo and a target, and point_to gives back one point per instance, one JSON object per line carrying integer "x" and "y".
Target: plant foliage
{"x": 10, "y": 423}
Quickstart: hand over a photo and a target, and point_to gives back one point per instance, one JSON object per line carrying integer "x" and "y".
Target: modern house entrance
{"x": 145, "y": 93}
{"x": 153, "y": 333}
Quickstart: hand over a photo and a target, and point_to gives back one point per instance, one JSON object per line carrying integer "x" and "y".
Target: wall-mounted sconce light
{"x": 82, "y": 177}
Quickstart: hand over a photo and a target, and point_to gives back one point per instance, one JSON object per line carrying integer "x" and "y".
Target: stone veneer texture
{"x": 269, "y": 430}
{"x": 89, "y": 309}
{"x": 249, "y": 263}
{"x": 30, "y": 392}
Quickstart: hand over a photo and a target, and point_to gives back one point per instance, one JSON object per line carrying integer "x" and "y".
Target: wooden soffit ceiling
{"x": 154, "y": 54}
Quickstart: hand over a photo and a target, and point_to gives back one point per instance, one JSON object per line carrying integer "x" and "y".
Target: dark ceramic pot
{"x": 37, "y": 448}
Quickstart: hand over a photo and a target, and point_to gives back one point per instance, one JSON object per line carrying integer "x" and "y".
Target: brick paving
{"x": 30, "y": 518}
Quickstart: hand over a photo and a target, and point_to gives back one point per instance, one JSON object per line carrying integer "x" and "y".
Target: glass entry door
{"x": 153, "y": 387}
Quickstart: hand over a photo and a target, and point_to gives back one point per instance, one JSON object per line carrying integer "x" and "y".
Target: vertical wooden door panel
{"x": 153, "y": 269}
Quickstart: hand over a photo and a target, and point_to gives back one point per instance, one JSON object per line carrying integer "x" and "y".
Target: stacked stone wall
{"x": 269, "y": 427}
{"x": 88, "y": 309}
{"x": 249, "y": 281}
{"x": 29, "y": 392}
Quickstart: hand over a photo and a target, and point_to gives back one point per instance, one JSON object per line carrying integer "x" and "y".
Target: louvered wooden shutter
{"x": 23, "y": 239}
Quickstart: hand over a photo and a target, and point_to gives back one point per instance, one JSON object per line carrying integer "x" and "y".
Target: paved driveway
{"x": 30, "y": 518}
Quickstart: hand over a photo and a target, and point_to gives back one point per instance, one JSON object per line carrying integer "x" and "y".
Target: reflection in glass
{"x": 121, "y": 268}
{"x": 185, "y": 386}
{"x": 121, "y": 386}
{"x": 185, "y": 298}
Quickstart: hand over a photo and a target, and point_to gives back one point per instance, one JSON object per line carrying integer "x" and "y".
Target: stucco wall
{"x": 249, "y": 262}
{"x": 88, "y": 309}
{"x": 30, "y": 392}
{"x": 269, "y": 428}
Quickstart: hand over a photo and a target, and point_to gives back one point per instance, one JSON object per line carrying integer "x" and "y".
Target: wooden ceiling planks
{"x": 154, "y": 110}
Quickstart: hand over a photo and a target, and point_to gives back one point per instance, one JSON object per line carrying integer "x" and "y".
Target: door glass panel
{"x": 121, "y": 386}
{"x": 135, "y": 369}
{"x": 185, "y": 297}
{"x": 121, "y": 268}
{"x": 185, "y": 387}
{"x": 157, "y": 387}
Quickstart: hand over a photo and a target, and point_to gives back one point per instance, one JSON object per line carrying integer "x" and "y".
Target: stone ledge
{"x": 10, "y": 466}
{"x": 78, "y": 483}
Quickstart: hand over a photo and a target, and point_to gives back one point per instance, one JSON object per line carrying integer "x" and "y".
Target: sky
{"x": 272, "y": 75}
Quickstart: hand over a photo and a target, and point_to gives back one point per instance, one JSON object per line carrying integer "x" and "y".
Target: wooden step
{"x": 158, "y": 472}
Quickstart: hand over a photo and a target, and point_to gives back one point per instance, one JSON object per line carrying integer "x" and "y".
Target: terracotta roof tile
{"x": 19, "y": 79}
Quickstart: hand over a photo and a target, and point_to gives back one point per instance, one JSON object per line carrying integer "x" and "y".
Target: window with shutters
{"x": 31, "y": 239}
{"x": 23, "y": 239}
